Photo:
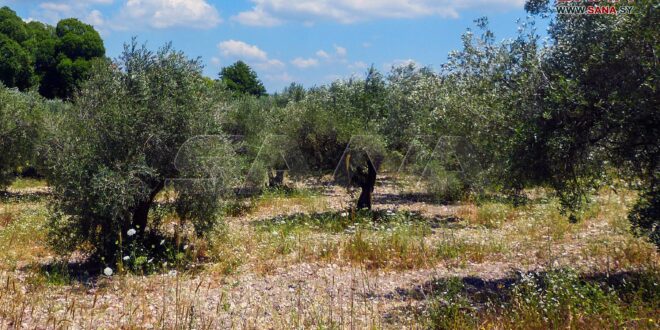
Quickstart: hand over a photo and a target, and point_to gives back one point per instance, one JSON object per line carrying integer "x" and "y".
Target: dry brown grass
{"x": 488, "y": 215}
{"x": 23, "y": 238}
{"x": 6, "y": 218}
{"x": 313, "y": 271}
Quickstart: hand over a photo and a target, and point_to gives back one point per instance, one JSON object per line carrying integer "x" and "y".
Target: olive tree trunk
{"x": 141, "y": 213}
{"x": 367, "y": 184}
{"x": 277, "y": 180}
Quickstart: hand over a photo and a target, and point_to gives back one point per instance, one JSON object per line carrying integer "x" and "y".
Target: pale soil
{"x": 292, "y": 294}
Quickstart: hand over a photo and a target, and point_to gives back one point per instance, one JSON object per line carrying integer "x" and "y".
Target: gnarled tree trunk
{"x": 277, "y": 180}
{"x": 367, "y": 183}
{"x": 141, "y": 213}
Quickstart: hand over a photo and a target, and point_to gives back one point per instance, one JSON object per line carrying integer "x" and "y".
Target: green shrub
{"x": 20, "y": 122}
{"x": 551, "y": 298}
{"x": 557, "y": 299}
{"x": 451, "y": 309}
{"x": 645, "y": 216}
{"x": 446, "y": 186}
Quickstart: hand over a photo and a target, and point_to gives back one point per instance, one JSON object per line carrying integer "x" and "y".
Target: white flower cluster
{"x": 107, "y": 271}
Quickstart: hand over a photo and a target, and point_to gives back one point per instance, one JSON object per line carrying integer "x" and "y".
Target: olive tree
{"x": 359, "y": 166}
{"x": 335, "y": 128}
{"x": 599, "y": 109}
{"x": 20, "y": 118}
{"x": 119, "y": 148}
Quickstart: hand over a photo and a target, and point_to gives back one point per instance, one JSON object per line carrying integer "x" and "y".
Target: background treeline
{"x": 573, "y": 113}
{"x": 54, "y": 60}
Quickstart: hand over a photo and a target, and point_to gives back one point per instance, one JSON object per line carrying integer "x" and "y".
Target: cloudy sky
{"x": 306, "y": 41}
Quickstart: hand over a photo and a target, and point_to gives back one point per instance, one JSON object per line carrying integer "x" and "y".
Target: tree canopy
{"x": 240, "y": 78}
{"x": 20, "y": 119}
{"x": 599, "y": 109}
{"x": 56, "y": 59}
{"x": 120, "y": 146}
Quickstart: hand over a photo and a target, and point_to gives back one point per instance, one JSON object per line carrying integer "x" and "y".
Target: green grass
{"x": 456, "y": 251}
{"x": 340, "y": 222}
{"x": 27, "y": 183}
{"x": 399, "y": 247}
{"x": 379, "y": 239}
{"x": 56, "y": 274}
{"x": 23, "y": 233}
{"x": 558, "y": 299}
{"x": 373, "y": 239}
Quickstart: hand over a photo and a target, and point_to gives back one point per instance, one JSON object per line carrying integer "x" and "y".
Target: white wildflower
{"x": 107, "y": 271}
{"x": 344, "y": 214}
{"x": 131, "y": 232}
{"x": 126, "y": 258}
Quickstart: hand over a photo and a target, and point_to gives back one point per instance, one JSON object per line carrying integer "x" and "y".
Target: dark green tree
{"x": 55, "y": 58}
{"x": 15, "y": 67}
{"x": 42, "y": 45}
{"x": 239, "y": 77}
{"x": 12, "y": 26}
{"x": 77, "y": 45}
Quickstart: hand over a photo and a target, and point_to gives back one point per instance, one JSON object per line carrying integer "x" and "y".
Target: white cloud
{"x": 340, "y": 51}
{"x": 101, "y": 2}
{"x": 53, "y": 11}
{"x": 171, "y": 13}
{"x": 55, "y": 6}
{"x": 236, "y": 49}
{"x": 256, "y": 17}
{"x": 215, "y": 61}
{"x": 304, "y": 63}
{"x": 270, "y": 65}
{"x": 240, "y": 49}
{"x": 154, "y": 13}
{"x": 276, "y": 12}
{"x": 95, "y": 18}
{"x": 339, "y": 55}
{"x": 322, "y": 54}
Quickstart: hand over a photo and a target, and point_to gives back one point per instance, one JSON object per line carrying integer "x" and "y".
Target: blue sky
{"x": 307, "y": 41}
